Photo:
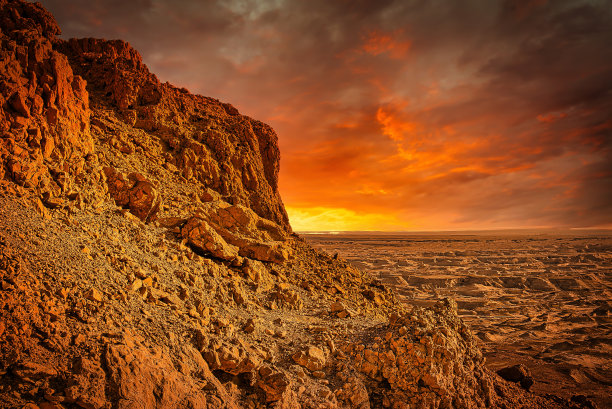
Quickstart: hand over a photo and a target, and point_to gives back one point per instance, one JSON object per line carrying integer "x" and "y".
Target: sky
{"x": 400, "y": 114}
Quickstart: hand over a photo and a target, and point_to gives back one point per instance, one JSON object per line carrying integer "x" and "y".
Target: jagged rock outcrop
{"x": 146, "y": 259}
{"x": 427, "y": 358}
{"x": 44, "y": 107}
{"x": 207, "y": 141}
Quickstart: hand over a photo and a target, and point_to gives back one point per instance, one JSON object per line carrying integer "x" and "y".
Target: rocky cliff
{"x": 146, "y": 259}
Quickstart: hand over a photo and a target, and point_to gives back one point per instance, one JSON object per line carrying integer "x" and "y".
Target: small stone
{"x": 527, "y": 382}
{"x": 93, "y": 295}
{"x": 193, "y": 312}
{"x": 78, "y": 339}
{"x": 62, "y": 292}
{"x": 337, "y": 307}
{"x": 184, "y": 293}
{"x": 140, "y": 273}
{"x": 331, "y": 345}
{"x": 18, "y": 103}
{"x": 54, "y": 398}
{"x": 136, "y": 284}
{"x": 318, "y": 374}
{"x": 50, "y": 405}
{"x": 172, "y": 299}
{"x": 249, "y": 327}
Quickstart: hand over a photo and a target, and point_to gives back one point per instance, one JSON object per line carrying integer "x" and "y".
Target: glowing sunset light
{"x": 400, "y": 115}
{"x": 338, "y": 219}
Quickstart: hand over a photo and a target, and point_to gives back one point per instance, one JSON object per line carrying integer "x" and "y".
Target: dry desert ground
{"x": 541, "y": 299}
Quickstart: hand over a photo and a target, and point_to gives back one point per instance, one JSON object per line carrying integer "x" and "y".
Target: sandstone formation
{"x": 146, "y": 259}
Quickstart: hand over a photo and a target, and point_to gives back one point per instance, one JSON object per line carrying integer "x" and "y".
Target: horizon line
{"x": 513, "y": 229}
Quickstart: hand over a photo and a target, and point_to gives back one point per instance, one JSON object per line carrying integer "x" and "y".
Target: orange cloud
{"x": 392, "y": 127}
{"x": 551, "y": 117}
{"x": 377, "y": 42}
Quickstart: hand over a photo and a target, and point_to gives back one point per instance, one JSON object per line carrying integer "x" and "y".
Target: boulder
{"x": 312, "y": 358}
{"x": 203, "y": 237}
{"x": 141, "y": 379}
{"x": 135, "y": 193}
{"x": 274, "y": 383}
{"x": 240, "y": 229}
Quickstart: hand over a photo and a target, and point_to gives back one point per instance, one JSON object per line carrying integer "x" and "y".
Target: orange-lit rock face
{"x": 45, "y": 118}
{"x": 210, "y": 142}
{"x": 44, "y": 110}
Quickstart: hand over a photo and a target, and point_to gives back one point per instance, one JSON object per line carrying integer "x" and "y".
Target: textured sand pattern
{"x": 544, "y": 300}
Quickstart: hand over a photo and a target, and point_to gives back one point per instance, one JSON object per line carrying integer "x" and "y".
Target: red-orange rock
{"x": 274, "y": 383}
{"x": 212, "y": 143}
{"x": 141, "y": 379}
{"x": 18, "y": 103}
{"x": 203, "y": 237}
{"x": 43, "y": 95}
{"x": 135, "y": 193}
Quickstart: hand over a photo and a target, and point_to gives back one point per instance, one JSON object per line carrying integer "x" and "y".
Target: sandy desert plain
{"x": 539, "y": 298}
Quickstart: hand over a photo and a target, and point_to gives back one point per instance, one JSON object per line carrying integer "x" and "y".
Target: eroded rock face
{"x": 44, "y": 106}
{"x": 125, "y": 80}
{"x": 209, "y": 142}
{"x": 45, "y": 141}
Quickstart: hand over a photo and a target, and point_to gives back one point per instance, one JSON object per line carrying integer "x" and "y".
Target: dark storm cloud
{"x": 484, "y": 112}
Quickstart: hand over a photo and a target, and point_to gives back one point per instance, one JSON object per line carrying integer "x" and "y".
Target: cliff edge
{"x": 147, "y": 261}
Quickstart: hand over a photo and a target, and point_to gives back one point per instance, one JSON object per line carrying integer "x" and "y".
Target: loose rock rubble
{"x": 146, "y": 259}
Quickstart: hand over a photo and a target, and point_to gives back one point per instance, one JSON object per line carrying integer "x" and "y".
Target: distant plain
{"x": 542, "y": 298}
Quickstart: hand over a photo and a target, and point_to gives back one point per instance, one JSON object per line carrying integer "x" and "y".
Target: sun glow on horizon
{"x": 340, "y": 219}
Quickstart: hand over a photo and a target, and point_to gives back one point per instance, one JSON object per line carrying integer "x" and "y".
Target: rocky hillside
{"x": 146, "y": 259}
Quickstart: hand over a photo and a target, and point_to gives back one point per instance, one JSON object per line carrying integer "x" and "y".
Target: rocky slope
{"x": 146, "y": 260}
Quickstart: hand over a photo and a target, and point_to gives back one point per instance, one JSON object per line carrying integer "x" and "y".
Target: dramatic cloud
{"x": 400, "y": 114}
